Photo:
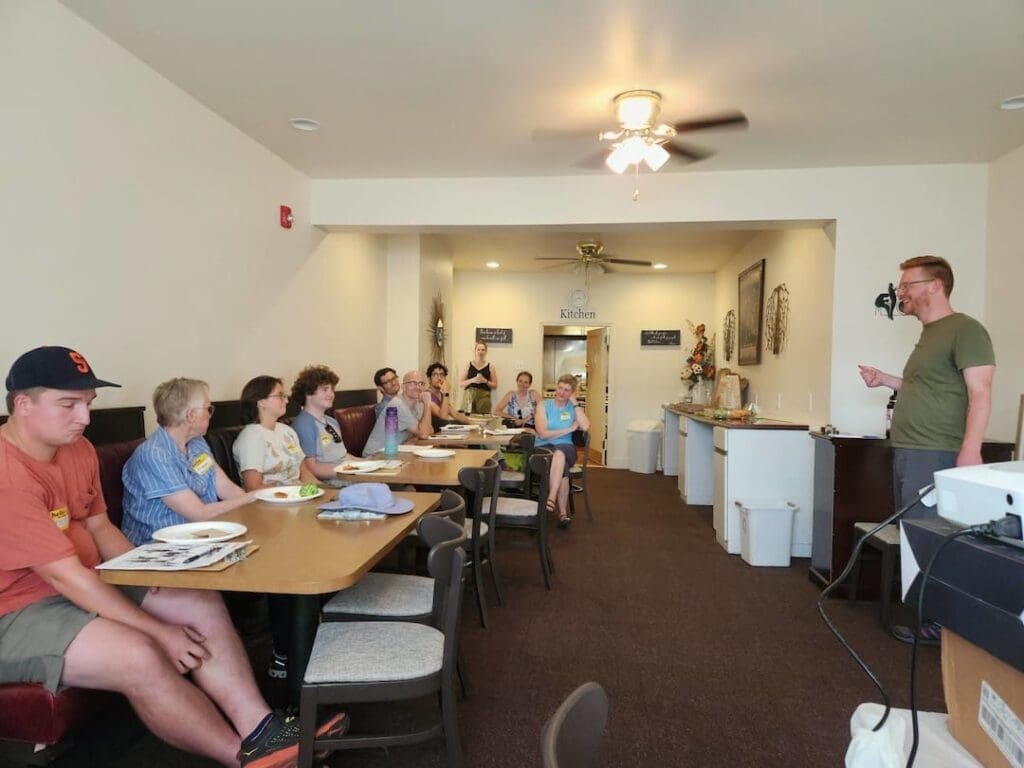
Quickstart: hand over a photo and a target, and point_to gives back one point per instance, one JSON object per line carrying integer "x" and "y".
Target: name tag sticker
{"x": 566, "y": 416}
{"x": 202, "y": 464}
{"x": 292, "y": 447}
{"x": 60, "y": 518}
{"x": 325, "y": 439}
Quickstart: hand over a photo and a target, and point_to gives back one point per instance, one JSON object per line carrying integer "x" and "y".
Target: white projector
{"x": 979, "y": 494}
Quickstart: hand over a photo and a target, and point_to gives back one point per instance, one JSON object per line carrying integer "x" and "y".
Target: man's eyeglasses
{"x": 418, "y": 383}
{"x": 391, "y": 380}
{"x": 902, "y": 287}
{"x": 208, "y": 408}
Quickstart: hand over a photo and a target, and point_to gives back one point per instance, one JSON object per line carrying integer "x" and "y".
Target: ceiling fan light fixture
{"x": 637, "y": 109}
{"x": 655, "y": 156}
{"x": 617, "y": 159}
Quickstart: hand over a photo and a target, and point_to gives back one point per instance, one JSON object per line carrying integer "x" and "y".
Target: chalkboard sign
{"x": 659, "y": 338}
{"x": 494, "y": 335}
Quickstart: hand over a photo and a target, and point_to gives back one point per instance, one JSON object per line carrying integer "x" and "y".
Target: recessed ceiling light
{"x": 304, "y": 124}
{"x": 492, "y": 265}
{"x": 1014, "y": 102}
{"x": 659, "y": 265}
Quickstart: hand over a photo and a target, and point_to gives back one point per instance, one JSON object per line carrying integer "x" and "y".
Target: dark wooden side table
{"x": 887, "y": 543}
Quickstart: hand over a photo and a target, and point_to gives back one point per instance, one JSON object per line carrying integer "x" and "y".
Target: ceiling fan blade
{"x": 594, "y": 161}
{"x": 554, "y": 258}
{"x": 687, "y": 152}
{"x": 632, "y": 262}
{"x": 730, "y": 119}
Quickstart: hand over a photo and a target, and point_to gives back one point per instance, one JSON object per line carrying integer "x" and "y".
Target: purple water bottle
{"x": 391, "y": 431}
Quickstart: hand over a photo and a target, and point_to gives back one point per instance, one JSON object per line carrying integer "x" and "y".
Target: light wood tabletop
{"x": 298, "y": 554}
{"x": 472, "y": 439}
{"x": 433, "y": 472}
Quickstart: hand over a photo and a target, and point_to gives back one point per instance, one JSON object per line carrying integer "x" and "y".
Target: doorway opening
{"x": 582, "y": 351}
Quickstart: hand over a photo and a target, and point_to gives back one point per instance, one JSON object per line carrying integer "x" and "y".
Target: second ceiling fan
{"x": 591, "y": 255}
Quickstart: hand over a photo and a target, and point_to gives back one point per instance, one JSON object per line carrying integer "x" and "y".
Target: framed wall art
{"x": 749, "y": 320}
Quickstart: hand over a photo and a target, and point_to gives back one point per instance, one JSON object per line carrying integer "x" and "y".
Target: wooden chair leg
{"x": 451, "y": 726}
{"x": 478, "y": 585}
{"x": 854, "y": 582}
{"x": 494, "y": 566}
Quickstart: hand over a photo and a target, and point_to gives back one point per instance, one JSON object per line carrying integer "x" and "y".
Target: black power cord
{"x": 834, "y": 584}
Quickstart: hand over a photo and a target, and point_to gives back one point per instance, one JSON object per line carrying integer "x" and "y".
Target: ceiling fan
{"x": 591, "y": 255}
{"x": 641, "y": 139}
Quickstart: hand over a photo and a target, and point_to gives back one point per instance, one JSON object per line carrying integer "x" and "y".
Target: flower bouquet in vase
{"x": 699, "y": 370}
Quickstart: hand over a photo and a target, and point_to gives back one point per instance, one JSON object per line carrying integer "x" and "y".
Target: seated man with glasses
{"x": 414, "y": 416}
{"x": 173, "y": 478}
{"x": 389, "y": 385}
{"x": 319, "y": 432}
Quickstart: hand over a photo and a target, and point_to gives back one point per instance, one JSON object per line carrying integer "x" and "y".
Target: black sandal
{"x": 564, "y": 521}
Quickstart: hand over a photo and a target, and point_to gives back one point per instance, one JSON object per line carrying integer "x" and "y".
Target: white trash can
{"x": 644, "y": 441}
{"x": 766, "y": 532}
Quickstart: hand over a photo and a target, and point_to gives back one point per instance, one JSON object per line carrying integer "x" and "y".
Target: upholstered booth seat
{"x": 30, "y": 714}
{"x": 356, "y": 424}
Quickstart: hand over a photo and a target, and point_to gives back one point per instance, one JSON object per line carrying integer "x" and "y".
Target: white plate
{"x": 291, "y": 494}
{"x": 358, "y": 467}
{"x": 457, "y": 427}
{"x": 449, "y": 436}
{"x": 435, "y": 453}
{"x": 200, "y": 533}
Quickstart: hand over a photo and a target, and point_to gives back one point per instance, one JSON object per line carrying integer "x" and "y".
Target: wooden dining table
{"x": 472, "y": 439}
{"x": 425, "y": 472}
{"x": 297, "y": 555}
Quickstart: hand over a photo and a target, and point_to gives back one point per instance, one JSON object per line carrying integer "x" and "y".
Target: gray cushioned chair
{"x": 578, "y": 473}
{"x": 528, "y": 513}
{"x": 380, "y": 661}
{"x": 480, "y": 483}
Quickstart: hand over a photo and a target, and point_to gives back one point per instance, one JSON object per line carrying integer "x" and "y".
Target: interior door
{"x": 597, "y": 392}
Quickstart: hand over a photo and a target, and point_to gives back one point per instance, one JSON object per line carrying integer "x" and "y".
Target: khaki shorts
{"x": 33, "y": 640}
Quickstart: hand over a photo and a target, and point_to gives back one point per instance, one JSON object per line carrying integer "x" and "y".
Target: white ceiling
{"x": 454, "y": 88}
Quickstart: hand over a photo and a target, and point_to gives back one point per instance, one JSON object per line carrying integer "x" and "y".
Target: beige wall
{"x": 436, "y": 276}
{"x": 883, "y": 215}
{"x": 1004, "y": 279}
{"x": 795, "y": 384}
{"x": 143, "y": 229}
{"x": 639, "y": 379}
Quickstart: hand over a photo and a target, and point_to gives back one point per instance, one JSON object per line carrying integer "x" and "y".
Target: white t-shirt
{"x": 276, "y": 454}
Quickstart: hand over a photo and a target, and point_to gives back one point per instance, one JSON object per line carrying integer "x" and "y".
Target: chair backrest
{"x": 356, "y": 424}
{"x": 451, "y": 506}
{"x": 480, "y": 482}
{"x": 538, "y": 471}
{"x": 445, "y": 562}
{"x": 525, "y": 441}
{"x": 572, "y": 736}
{"x": 581, "y": 439}
{"x": 221, "y": 442}
{"x": 112, "y": 458}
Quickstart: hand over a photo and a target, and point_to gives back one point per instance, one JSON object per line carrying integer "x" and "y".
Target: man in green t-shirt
{"x": 945, "y": 393}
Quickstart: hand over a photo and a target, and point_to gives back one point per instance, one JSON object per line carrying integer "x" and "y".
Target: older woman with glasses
{"x": 172, "y": 478}
{"x": 266, "y": 451}
{"x": 319, "y": 432}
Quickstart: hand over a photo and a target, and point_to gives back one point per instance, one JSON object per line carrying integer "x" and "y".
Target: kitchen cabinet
{"x": 670, "y": 443}
{"x": 762, "y": 464}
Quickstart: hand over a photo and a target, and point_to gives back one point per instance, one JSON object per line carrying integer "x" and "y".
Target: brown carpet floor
{"x": 706, "y": 660}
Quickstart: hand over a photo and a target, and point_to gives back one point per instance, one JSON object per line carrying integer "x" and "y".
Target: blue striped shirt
{"x": 158, "y": 469}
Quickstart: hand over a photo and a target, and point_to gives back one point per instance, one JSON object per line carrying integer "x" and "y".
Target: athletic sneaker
{"x": 275, "y": 743}
{"x": 930, "y": 634}
{"x": 278, "y": 668}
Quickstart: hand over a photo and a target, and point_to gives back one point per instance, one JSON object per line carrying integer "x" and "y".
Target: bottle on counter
{"x": 889, "y": 408}
{"x": 391, "y": 431}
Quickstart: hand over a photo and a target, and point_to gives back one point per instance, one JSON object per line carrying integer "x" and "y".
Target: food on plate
{"x": 349, "y": 467}
{"x": 309, "y": 489}
{"x": 205, "y": 533}
{"x": 280, "y": 495}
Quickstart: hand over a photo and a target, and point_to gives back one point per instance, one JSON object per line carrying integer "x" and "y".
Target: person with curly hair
{"x": 319, "y": 432}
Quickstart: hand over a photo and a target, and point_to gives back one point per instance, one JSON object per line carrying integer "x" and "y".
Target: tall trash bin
{"x": 766, "y": 532}
{"x": 644, "y": 441}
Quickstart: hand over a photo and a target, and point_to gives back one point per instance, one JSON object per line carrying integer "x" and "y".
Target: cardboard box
{"x": 993, "y": 730}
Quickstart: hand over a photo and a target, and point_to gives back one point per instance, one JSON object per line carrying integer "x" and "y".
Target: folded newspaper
{"x": 176, "y": 557}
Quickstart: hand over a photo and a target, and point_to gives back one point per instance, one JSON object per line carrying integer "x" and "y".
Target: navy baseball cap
{"x": 53, "y": 368}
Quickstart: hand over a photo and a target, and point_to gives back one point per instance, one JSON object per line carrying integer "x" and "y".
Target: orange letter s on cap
{"x": 79, "y": 361}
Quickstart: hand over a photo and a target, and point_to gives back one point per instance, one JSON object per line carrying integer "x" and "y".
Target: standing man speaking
{"x": 945, "y": 393}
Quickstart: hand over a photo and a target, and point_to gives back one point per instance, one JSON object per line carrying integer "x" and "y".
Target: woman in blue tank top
{"x": 555, "y": 422}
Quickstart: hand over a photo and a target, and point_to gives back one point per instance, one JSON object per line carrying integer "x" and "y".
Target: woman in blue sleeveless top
{"x": 555, "y": 423}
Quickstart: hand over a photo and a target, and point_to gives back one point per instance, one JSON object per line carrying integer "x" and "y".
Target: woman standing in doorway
{"x": 481, "y": 377}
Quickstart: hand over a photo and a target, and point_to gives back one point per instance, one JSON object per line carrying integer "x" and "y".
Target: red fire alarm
{"x": 286, "y": 217}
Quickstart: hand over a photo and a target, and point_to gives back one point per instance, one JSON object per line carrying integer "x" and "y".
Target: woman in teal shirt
{"x": 555, "y": 423}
